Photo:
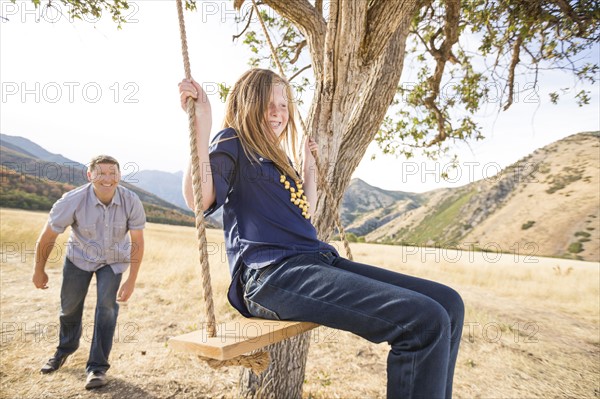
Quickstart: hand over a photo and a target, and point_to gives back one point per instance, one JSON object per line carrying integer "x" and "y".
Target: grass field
{"x": 531, "y": 327}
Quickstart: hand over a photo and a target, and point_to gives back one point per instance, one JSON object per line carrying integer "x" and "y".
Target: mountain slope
{"x": 32, "y": 175}
{"x": 26, "y": 192}
{"x": 163, "y": 184}
{"x": 168, "y": 187}
{"x": 32, "y": 149}
{"x": 545, "y": 204}
{"x": 555, "y": 210}
{"x": 365, "y": 207}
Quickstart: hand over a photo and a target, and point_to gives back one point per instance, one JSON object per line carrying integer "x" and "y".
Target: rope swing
{"x": 258, "y": 362}
{"x": 227, "y": 350}
{"x": 197, "y": 187}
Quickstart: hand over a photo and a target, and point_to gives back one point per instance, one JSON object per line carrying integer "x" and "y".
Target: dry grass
{"x": 531, "y": 329}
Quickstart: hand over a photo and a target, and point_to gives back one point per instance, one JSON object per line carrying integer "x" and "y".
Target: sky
{"x": 81, "y": 88}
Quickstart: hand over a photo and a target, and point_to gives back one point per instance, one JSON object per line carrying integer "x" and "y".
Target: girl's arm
{"x": 203, "y": 124}
{"x": 310, "y": 175}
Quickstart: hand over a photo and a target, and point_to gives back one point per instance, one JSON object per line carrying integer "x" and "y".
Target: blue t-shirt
{"x": 261, "y": 225}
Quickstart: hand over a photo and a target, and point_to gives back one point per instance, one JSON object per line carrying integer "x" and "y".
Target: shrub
{"x": 351, "y": 237}
{"x": 582, "y": 234}
{"x": 555, "y": 187}
{"x": 527, "y": 225}
{"x": 575, "y": 247}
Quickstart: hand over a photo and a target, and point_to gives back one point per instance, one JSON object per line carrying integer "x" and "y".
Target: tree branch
{"x": 566, "y": 8}
{"x": 299, "y": 47}
{"x": 328, "y": 72}
{"x": 383, "y": 20}
{"x": 319, "y": 6}
{"x": 422, "y": 39}
{"x": 435, "y": 51}
{"x": 442, "y": 55}
{"x": 235, "y": 37}
{"x": 511, "y": 70}
{"x": 298, "y": 73}
{"x": 309, "y": 21}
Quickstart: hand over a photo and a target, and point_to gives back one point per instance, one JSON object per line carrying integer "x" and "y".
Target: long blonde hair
{"x": 245, "y": 110}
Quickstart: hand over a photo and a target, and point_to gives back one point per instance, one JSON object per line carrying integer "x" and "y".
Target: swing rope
{"x": 320, "y": 170}
{"x": 258, "y": 361}
{"x": 197, "y": 187}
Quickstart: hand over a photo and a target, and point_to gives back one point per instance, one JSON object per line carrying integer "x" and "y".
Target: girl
{"x": 281, "y": 271}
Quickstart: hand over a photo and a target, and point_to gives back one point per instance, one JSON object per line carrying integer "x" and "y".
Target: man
{"x": 100, "y": 214}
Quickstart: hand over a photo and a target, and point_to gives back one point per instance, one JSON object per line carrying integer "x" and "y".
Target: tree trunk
{"x": 357, "y": 58}
{"x": 284, "y": 377}
{"x": 346, "y": 116}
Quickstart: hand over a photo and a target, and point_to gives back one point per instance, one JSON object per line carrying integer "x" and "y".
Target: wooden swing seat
{"x": 238, "y": 337}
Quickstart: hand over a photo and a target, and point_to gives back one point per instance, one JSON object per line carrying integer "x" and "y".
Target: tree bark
{"x": 284, "y": 377}
{"x": 363, "y": 91}
{"x": 357, "y": 58}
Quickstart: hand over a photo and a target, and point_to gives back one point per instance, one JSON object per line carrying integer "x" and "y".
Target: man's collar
{"x": 116, "y": 199}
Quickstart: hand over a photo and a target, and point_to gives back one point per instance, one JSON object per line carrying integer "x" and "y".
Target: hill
{"x": 32, "y": 149}
{"x": 26, "y": 192}
{"x": 546, "y": 204}
{"x": 33, "y": 178}
{"x": 168, "y": 187}
{"x": 365, "y": 207}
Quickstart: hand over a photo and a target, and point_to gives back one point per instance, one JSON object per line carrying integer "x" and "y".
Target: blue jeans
{"x": 72, "y": 297}
{"x": 421, "y": 320}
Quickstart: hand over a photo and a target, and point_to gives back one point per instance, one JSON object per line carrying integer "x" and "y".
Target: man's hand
{"x": 40, "y": 279}
{"x": 43, "y": 247}
{"x": 126, "y": 290}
